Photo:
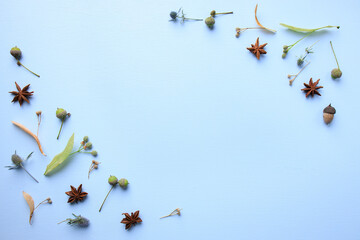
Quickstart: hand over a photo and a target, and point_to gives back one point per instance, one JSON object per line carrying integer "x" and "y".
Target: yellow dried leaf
{"x": 30, "y": 202}
{"x": 258, "y": 23}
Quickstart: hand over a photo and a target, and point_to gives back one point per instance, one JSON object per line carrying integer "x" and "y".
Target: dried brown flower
{"x": 130, "y": 220}
{"x": 257, "y": 49}
{"x": 22, "y": 94}
{"x": 311, "y": 88}
{"x": 76, "y": 194}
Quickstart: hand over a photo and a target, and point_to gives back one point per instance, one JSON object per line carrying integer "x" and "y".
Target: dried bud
{"x": 94, "y": 153}
{"x": 49, "y": 200}
{"x": 86, "y": 139}
{"x": 210, "y": 21}
{"x": 61, "y": 113}
{"x": 83, "y": 222}
{"x": 328, "y": 114}
{"x": 300, "y": 62}
{"x": 173, "y": 15}
{"x": 16, "y": 53}
{"x": 112, "y": 180}
{"x": 213, "y": 13}
{"x": 88, "y": 145}
{"x": 16, "y": 159}
{"x": 336, "y": 73}
{"x": 38, "y": 113}
{"x": 123, "y": 183}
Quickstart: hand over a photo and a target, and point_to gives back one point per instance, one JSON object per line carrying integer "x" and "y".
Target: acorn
{"x": 328, "y": 114}
{"x": 210, "y": 21}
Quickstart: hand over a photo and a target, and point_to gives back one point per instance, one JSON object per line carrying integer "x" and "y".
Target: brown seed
{"x": 328, "y": 114}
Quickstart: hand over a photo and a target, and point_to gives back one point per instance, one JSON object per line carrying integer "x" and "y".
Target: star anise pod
{"x": 22, "y": 94}
{"x": 130, "y": 220}
{"x": 76, "y": 194}
{"x": 311, "y": 88}
{"x": 256, "y": 49}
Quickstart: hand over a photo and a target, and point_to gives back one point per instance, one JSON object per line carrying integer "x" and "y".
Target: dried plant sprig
{"x": 113, "y": 181}
{"x": 38, "y": 114}
{"x": 286, "y": 48}
{"x": 17, "y": 54}
{"x": 336, "y": 72}
{"x": 308, "y": 50}
{"x": 240, "y": 30}
{"x": 18, "y": 163}
{"x": 30, "y": 201}
{"x": 78, "y": 220}
{"x": 176, "y": 15}
{"x": 94, "y": 165}
{"x": 292, "y": 77}
{"x": 175, "y": 212}
{"x": 213, "y": 13}
{"x": 258, "y": 23}
{"x": 22, "y": 127}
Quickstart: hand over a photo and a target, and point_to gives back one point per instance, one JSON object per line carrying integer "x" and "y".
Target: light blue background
{"x": 187, "y": 115}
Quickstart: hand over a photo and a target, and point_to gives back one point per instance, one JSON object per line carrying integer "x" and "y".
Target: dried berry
{"x": 210, "y": 21}
{"x": 123, "y": 183}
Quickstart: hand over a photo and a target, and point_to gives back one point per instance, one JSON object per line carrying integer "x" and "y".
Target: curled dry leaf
{"x": 22, "y": 127}
{"x": 258, "y": 23}
{"x": 30, "y": 202}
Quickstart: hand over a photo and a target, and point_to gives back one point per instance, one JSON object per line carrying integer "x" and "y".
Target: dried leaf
{"x": 61, "y": 157}
{"x": 306, "y": 30}
{"x": 258, "y": 23}
{"x": 30, "y": 202}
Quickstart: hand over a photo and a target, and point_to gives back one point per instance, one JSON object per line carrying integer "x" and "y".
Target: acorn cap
{"x": 329, "y": 109}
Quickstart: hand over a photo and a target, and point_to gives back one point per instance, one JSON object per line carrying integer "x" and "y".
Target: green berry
{"x": 123, "y": 183}
{"x": 88, "y": 145}
{"x": 86, "y": 139}
{"x": 112, "y": 180}
{"x": 285, "y": 47}
{"x": 94, "y": 153}
{"x": 61, "y": 113}
{"x": 336, "y": 73}
{"x": 16, "y": 52}
{"x": 283, "y": 55}
{"x": 213, "y": 13}
{"x": 210, "y": 21}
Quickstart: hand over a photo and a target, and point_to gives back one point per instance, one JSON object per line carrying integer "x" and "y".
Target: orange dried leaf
{"x": 258, "y": 23}
{"x": 30, "y": 202}
{"x": 22, "y": 127}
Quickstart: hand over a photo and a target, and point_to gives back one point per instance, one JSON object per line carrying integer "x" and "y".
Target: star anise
{"x": 311, "y": 88}
{"x": 130, "y": 220}
{"x": 22, "y": 94}
{"x": 256, "y": 49}
{"x": 76, "y": 194}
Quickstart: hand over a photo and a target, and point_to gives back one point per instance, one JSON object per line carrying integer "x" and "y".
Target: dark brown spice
{"x": 312, "y": 88}
{"x": 130, "y": 220}
{"x": 22, "y": 94}
{"x": 257, "y": 49}
{"x": 76, "y": 194}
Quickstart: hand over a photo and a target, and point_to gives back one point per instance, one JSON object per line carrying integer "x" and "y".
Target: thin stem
{"x": 334, "y": 55}
{"x": 39, "y": 121}
{"x": 194, "y": 19}
{"x": 28, "y": 173}
{"x": 175, "y": 212}
{"x": 224, "y": 13}
{"x": 106, "y": 197}
{"x": 299, "y": 40}
{"x": 62, "y": 122}
{"x": 68, "y": 219}
{"x": 19, "y": 63}
{"x": 90, "y": 169}
{"x": 40, "y": 204}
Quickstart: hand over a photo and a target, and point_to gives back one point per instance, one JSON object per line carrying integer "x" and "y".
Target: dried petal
{"x": 258, "y": 23}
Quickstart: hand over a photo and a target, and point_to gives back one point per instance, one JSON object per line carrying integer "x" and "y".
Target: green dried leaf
{"x": 306, "y": 30}
{"x": 61, "y": 157}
